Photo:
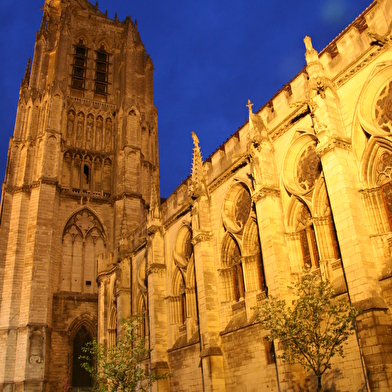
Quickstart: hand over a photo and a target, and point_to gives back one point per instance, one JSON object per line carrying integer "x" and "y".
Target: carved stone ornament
{"x": 302, "y": 165}
{"x": 237, "y": 207}
{"x": 308, "y": 169}
{"x": 375, "y": 102}
{"x": 384, "y": 168}
{"x": 383, "y": 108}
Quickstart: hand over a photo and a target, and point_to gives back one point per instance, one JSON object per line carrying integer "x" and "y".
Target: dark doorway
{"x": 80, "y": 378}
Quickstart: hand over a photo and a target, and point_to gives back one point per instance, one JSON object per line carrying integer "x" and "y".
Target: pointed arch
{"x": 178, "y": 300}
{"x": 83, "y": 240}
{"x": 183, "y": 248}
{"x": 252, "y": 257}
{"x": 375, "y": 168}
{"x": 81, "y": 331}
{"x": 300, "y": 222}
{"x": 237, "y": 207}
{"x": 376, "y": 178}
{"x": 233, "y": 274}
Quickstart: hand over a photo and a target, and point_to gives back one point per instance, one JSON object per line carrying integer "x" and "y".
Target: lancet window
{"x": 83, "y": 240}
{"x": 242, "y": 267}
{"x": 307, "y": 237}
{"x": 183, "y": 301}
{"x": 79, "y": 66}
{"x": 101, "y": 71}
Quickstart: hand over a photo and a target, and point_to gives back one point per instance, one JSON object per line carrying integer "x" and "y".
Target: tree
{"x": 119, "y": 368}
{"x": 314, "y": 328}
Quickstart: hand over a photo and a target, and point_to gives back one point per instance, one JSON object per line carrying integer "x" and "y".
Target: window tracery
{"x": 241, "y": 258}
{"x": 183, "y": 302}
{"x": 83, "y": 241}
{"x": 383, "y": 108}
{"x": 308, "y": 169}
{"x": 384, "y": 167}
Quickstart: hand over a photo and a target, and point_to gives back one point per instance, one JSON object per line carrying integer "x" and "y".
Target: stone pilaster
{"x": 206, "y": 287}
{"x": 158, "y": 323}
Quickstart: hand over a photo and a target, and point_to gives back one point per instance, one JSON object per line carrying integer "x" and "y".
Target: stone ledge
{"x": 211, "y": 352}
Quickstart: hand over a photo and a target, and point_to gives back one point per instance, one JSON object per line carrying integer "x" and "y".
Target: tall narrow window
{"x": 307, "y": 237}
{"x": 101, "y": 72}
{"x": 79, "y": 66}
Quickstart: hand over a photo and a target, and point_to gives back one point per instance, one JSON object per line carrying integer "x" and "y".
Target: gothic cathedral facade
{"x": 86, "y": 239}
{"x": 82, "y": 163}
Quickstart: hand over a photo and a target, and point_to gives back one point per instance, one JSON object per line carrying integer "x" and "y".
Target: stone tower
{"x": 81, "y": 165}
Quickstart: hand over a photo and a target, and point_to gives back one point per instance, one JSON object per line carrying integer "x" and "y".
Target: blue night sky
{"x": 210, "y": 57}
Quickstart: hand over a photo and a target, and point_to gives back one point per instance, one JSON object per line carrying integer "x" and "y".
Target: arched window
{"x": 101, "y": 71}
{"x": 234, "y": 274}
{"x": 242, "y": 262}
{"x": 83, "y": 241}
{"x": 183, "y": 312}
{"x": 80, "y": 377}
{"x": 79, "y": 66}
{"x": 307, "y": 237}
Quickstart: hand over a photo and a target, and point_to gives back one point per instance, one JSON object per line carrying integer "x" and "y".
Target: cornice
{"x": 264, "y": 192}
{"x": 202, "y": 236}
{"x": 331, "y": 144}
{"x": 156, "y": 268}
{"x": 368, "y": 57}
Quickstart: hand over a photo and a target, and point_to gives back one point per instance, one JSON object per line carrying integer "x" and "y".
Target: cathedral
{"x": 86, "y": 240}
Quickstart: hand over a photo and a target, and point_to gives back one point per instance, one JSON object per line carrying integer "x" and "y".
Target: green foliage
{"x": 314, "y": 328}
{"x": 119, "y": 368}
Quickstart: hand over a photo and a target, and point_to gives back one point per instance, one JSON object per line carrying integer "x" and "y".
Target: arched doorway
{"x": 80, "y": 377}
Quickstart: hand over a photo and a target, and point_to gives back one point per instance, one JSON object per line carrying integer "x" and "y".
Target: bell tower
{"x": 81, "y": 165}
